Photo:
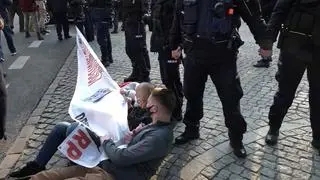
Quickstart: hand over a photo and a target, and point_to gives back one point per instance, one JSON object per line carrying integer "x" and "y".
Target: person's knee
{"x": 61, "y": 128}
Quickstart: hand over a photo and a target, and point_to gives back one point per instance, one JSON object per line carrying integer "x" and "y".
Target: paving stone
{"x": 34, "y": 144}
{"x": 300, "y": 174}
{"x": 281, "y": 176}
{"x": 268, "y": 172}
{"x": 26, "y": 131}
{"x": 18, "y": 146}
{"x": 224, "y": 174}
{"x": 4, "y": 173}
{"x": 249, "y": 175}
{"x": 236, "y": 169}
{"x": 209, "y": 172}
{"x": 252, "y": 166}
{"x": 192, "y": 169}
{"x": 9, "y": 161}
{"x": 284, "y": 169}
{"x": 201, "y": 177}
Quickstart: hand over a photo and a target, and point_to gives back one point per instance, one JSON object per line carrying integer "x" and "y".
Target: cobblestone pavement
{"x": 210, "y": 157}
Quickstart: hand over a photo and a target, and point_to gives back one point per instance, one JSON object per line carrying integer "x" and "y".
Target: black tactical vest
{"x": 208, "y": 18}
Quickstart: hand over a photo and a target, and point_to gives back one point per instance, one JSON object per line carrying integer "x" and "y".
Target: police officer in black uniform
{"x": 162, "y": 17}
{"x": 135, "y": 35}
{"x": 100, "y": 11}
{"x": 299, "y": 42}
{"x": 267, "y": 8}
{"x": 211, "y": 44}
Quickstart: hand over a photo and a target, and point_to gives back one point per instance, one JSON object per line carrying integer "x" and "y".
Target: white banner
{"x": 97, "y": 102}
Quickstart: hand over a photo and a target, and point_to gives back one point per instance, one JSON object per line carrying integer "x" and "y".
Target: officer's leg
{"x": 21, "y": 18}
{"x": 170, "y": 76}
{"x": 88, "y": 24}
{"x": 109, "y": 47}
{"x": 290, "y": 72}
{"x": 195, "y": 78}
{"x": 102, "y": 27}
{"x": 57, "y": 18}
{"x": 314, "y": 99}
{"x": 227, "y": 82}
{"x": 142, "y": 55}
{"x": 130, "y": 51}
{"x": 65, "y": 25}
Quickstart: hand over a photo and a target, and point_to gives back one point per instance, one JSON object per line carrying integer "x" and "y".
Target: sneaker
{"x": 60, "y": 38}
{"x": 14, "y": 53}
{"x": 30, "y": 169}
{"x": 263, "y": 63}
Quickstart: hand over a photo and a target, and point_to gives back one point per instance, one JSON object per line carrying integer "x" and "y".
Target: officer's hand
{"x": 176, "y": 54}
{"x": 265, "y": 53}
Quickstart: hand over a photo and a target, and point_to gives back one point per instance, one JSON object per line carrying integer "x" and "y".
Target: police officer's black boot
{"x": 272, "y": 137}
{"x": 237, "y": 145}
{"x": 190, "y": 133}
{"x": 263, "y": 63}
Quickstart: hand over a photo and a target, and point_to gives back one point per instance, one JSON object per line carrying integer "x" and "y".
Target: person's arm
{"x": 279, "y": 15}
{"x": 250, "y": 11}
{"x": 152, "y": 146}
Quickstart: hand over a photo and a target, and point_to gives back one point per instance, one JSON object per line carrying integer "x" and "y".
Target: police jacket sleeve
{"x": 175, "y": 34}
{"x": 250, "y": 12}
{"x": 152, "y": 146}
{"x": 278, "y": 17}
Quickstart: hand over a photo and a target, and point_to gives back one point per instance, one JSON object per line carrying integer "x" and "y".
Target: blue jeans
{"x": 7, "y": 31}
{"x": 55, "y": 138}
{"x": 101, "y": 19}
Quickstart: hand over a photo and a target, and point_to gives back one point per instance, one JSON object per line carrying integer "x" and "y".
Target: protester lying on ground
{"x": 137, "y": 95}
{"x": 63, "y": 129}
{"x": 140, "y": 160}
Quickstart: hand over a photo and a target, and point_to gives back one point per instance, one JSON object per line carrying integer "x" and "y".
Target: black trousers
{"x": 136, "y": 48}
{"x": 222, "y": 69}
{"x": 61, "y": 20}
{"x": 15, "y": 8}
{"x": 170, "y": 76}
{"x": 289, "y": 75}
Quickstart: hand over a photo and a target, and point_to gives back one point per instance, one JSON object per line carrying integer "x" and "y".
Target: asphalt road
{"x": 29, "y": 74}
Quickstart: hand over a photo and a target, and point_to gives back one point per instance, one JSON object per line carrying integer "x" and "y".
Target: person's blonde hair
{"x": 166, "y": 98}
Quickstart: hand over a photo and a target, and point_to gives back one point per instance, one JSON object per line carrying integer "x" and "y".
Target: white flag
{"x": 97, "y": 103}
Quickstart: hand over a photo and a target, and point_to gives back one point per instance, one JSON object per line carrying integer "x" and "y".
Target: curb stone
{"x": 15, "y": 151}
